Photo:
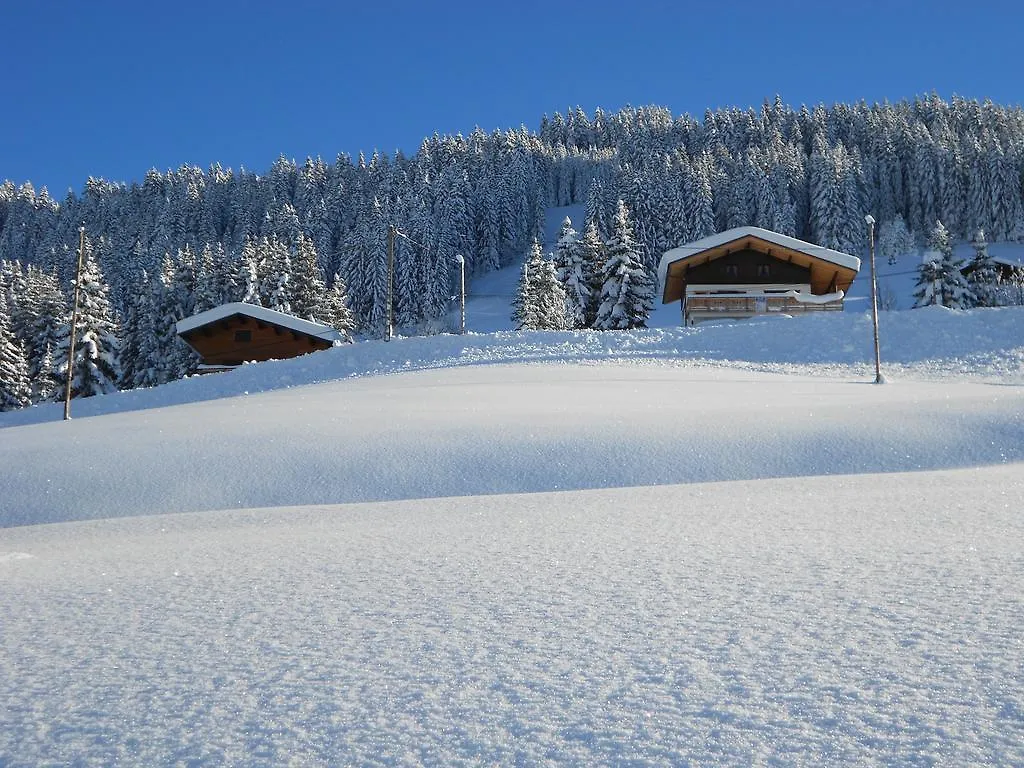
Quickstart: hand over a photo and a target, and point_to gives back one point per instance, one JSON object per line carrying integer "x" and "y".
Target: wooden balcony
{"x": 741, "y": 305}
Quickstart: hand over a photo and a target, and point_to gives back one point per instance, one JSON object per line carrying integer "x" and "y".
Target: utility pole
{"x": 462, "y": 292}
{"x": 74, "y": 322}
{"x": 879, "y": 379}
{"x": 391, "y": 281}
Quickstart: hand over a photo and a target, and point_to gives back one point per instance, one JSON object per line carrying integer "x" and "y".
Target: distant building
{"x": 750, "y": 271}
{"x": 1007, "y": 269}
{"x": 232, "y": 334}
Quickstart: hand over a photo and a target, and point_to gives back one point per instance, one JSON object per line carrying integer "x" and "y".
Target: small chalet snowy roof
{"x": 721, "y": 240}
{"x": 269, "y": 316}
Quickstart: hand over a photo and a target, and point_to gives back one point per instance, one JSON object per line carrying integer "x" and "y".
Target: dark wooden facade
{"x": 239, "y": 338}
{"x": 747, "y": 266}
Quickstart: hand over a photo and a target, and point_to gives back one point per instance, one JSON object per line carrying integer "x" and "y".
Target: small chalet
{"x": 1007, "y": 269}
{"x": 235, "y": 333}
{"x": 750, "y": 271}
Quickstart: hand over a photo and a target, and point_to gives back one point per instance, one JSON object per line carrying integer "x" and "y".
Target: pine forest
{"x": 310, "y": 238}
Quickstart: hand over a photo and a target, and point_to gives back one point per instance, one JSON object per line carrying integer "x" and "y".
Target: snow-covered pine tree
{"x": 21, "y": 300}
{"x": 592, "y": 253}
{"x": 539, "y": 304}
{"x": 575, "y": 275}
{"x": 44, "y": 330}
{"x": 137, "y": 315}
{"x": 333, "y": 309}
{"x": 983, "y": 277}
{"x": 307, "y": 286}
{"x": 163, "y": 356}
{"x": 208, "y": 288}
{"x": 698, "y": 202}
{"x": 929, "y": 276}
{"x": 151, "y": 334}
{"x": 275, "y": 280}
{"x": 15, "y": 389}
{"x": 46, "y": 385}
{"x": 96, "y": 367}
{"x": 246, "y": 279}
{"x": 222, "y": 286}
{"x": 939, "y": 278}
{"x": 595, "y": 208}
{"x": 627, "y": 292}
{"x": 894, "y": 239}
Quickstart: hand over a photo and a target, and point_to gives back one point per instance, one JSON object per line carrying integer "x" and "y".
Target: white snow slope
{"x": 710, "y": 546}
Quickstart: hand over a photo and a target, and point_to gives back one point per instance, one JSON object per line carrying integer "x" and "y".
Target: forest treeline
{"x": 810, "y": 172}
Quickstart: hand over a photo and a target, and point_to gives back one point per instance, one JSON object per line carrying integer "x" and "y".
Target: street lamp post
{"x": 390, "y": 309}
{"x": 879, "y": 379}
{"x": 462, "y": 292}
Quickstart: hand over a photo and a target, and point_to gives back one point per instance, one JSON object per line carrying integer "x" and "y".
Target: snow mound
{"x": 490, "y": 429}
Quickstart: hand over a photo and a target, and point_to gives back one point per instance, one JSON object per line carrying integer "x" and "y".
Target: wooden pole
{"x": 74, "y": 322}
{"x": 879, "y": 379}
{"x": 391, "y": 282}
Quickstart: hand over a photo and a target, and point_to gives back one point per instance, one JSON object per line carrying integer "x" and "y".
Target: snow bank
{"x": 932, "y": 342}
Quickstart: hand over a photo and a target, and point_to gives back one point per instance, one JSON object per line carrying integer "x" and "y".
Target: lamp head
{"x": 869, "y": 219}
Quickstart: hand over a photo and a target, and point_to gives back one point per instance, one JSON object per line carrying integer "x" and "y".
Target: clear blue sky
{"x": 111, "y": 89}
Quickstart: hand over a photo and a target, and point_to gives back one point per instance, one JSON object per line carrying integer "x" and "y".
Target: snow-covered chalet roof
{"x": 269, "y": 316}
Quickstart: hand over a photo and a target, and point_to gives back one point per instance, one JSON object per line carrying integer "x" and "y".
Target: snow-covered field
{"x": 712, "y": 546}
{"x": 827, "y": 620}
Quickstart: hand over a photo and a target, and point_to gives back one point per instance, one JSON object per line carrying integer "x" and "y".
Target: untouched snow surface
{"x": 871, "y": 619}
{"x": 712, "y": 546}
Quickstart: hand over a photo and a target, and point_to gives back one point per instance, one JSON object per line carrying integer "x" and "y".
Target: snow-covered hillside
{"x": 717, "y": 545}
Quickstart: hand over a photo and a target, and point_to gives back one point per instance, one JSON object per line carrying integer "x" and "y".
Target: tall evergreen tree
{"x": 276, "y": 274}
{"x": 596, "y": 208}
{"x": 149, "y": 335}
{"x": 540, "y": 303}
{"x": 895, "y": 240}
{"x": 307, "y": 285}
{"x": 575, "y": 275}
{"x": 333, "y": 309}
{"x": 44, "y": 334}
{"x": 96, "y": 367}
{"x": 627, "y": 292}
{"x": 939, "y": 278}
{"x": 593, "y": 254}
{"x": 137, "y": 324}
{"x": 246, "y": 276}
{"x": 983, "y": 277}
{"x": 15, "y": 389}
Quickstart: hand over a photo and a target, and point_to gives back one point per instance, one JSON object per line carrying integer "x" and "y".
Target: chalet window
{"x": 731, "y": 270}
{"x": 243, "y": 335}
{"x": 763, "y": 270}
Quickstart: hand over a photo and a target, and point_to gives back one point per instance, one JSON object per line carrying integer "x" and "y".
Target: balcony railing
{"x": 754, "y": 305}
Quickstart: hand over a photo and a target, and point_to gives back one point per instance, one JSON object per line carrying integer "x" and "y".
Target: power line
{"x": 402, "y": 234}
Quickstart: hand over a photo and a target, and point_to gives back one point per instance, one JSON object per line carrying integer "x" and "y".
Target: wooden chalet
{"x": 1007, "y": 270}
{"x": 231, "y": 334}
{"x": 750, "y": 271}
